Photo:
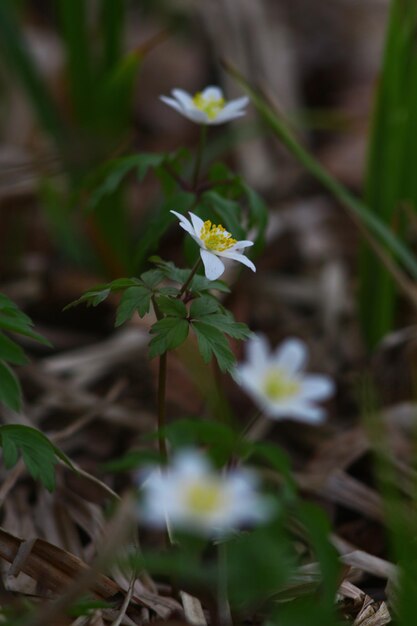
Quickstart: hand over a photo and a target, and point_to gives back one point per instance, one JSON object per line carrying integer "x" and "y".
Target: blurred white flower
{"x": 277, "y": 383}
{"x": 214, "y": 241}
{"x": 191, "y": 495}
{"x": 207, "y": 106}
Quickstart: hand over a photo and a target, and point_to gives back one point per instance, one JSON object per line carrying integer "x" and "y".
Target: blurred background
{"x": 80, "y": 84}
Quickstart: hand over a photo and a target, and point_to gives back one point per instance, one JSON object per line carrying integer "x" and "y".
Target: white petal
{"x": 212, "y": 93}
{"x": 307, "y": 413}
{"x": 197, "y": 222}
{"x": 173, "y": 104}
{"x": 257, "y": 351}
{"x": 180, "y": 216}
{"x": 197, "y": 116}
{"x": 223, "y": 117}
{"x": 184, "y": 98}
{"x": 189, "y": 464}
{"x": 239, "y": 245}
{"x": 248, "y": 378}
{"x": 317, "y": 387}
{"x": 234, "y": 106}
{"x": 213, "y": 267}
{"x": 291, "y": 355}
{"x": 185, "y": 224}
{"x": 237, "y": 256}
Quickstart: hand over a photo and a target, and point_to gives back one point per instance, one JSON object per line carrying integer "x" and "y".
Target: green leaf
{"x": 134, "y": 299}
{"x": 11, "y": 352}
{"x": 97, "y": 295}
{"x": 169, "y": 333}
{"x": 204, "y": 306}
{"x": 14, "y": 320}
{"x": 211, "y": 342}
{"x": 157, "y": 222}
{"x": 38, "y": 453}
{"x": 152, "y": 278}
{"x": 133, "y": 460}
{"x": 376, "y": 228}
{"x": 319, "y": 529}
{"x": 10, "y": 390}
{"x": 198, "y": 284}
{"x": 225, "y": 323}
{"x": 228, "y": 211}
{"x": 113, "y": 173}
{"x": 93, "y": 297}
{"x": 258, "y": 215}
{"x": 172, "y": 306}
{"x": 24, "y": 69}
{"x": 222, "y": 440}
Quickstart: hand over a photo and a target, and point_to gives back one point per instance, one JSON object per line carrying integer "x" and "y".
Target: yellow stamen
{"x": 210, "y": 106}
{"x": 278, "y": 386}
{"x": 204, "y": 498}
{"x": 216, "y": 238}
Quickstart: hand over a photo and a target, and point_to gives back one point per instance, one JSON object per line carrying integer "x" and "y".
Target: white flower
{"x": 191, "y": 495}
{"x": 277, "y": 383}
{"x": 207, "y": 106}
{"x": 214, "y": 241}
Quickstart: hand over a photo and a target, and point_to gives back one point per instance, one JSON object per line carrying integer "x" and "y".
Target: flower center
{"x": 210, "y": 106}
{"x": 216, "y": 238}
{"x": 204, "y": 498}
{"x": 278, "y": 386}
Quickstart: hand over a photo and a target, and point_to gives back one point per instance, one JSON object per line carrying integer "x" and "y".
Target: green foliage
{"x": 259, "y": 563}
{"x": 39, "y": 454}
{"x": 12, "y": 319}
{"x": 100, "y": 82}
{"x": 209, "y": 320}
{"x": 367, "y": 219}
{"x": 391, "y": 186}
{"x": 228, "y": 200}
{"x": 223, "y": 443}
{"x": 199, "y": 284}
{"x": 169, "y": 333}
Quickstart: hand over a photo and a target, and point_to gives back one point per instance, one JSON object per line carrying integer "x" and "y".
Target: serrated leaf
{"x": 169, "y": 333}
{"x": 152, "y": 278}
{"x": 201, "y": 283}
{"x": 123, "y": 283}
{"x": 204, "y": 306}
{"x": 13, "y": 319}
{"x": 10, "y": 390}
{"x": 198, "y": 284}
{"x": 113, "y": 173}
{"x": 212, "y": 342}
{"x": 38, "y": 453}
{"x": 172, "y": 306}
{"x": 90, "y": 298}
{"x": 134, "y": 299}
{"x": 11, "y": 352}
{"x": 226, "y": 324}
{"x": 99, "y": 293}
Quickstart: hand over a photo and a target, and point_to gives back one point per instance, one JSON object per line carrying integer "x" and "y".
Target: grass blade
{"x": 391, "y": 180}
{"x": 377, "y": 232}
{"x": 22, "y": 65}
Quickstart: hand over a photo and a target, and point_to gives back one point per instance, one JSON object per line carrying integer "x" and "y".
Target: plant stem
{"x": 190, "y": 278}
{"x": 223, "y": 607}
{"x": 162, "y": 379}
{"x": 199, "y": 156}
{"x": 161, "y": 400}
